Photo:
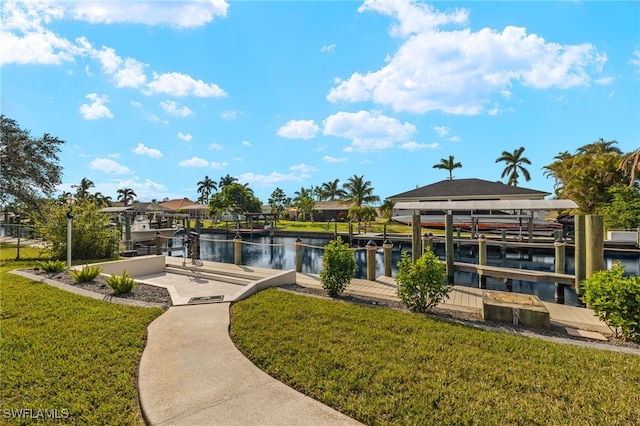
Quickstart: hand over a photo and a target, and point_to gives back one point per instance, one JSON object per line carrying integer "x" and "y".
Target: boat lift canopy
{"x": 471, "y": 205}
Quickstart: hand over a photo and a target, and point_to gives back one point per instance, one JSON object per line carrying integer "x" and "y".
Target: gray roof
{"x": 468, "y": 189}
{"x": 471, "y": 205}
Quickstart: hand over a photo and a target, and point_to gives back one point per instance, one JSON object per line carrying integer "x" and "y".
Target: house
{"x": 479, "y": 204}
{"x": 468, "y": 189}
{"x": 193, "y": 209}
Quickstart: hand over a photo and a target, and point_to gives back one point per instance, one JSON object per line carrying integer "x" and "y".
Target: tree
{"x": 92, "y": 237}
{"x": 358, "y": 192}
{"x": 278, "y": 202}
{"x": 82, "y": 190}
{"x": 29, "y": 166}
{"x": 623, "y": 212}
{"x": 386, "y": 208}
{"x": 514, "y": 161}
{"x": 101, "y": 199}
{"x": 329, "y": 191}
{"x": 126, "y": 196}
{"x": 630, "y": 165}
{"x": 304, "y": 202}
{"x": 448, "y": 164}
{"x": 236, "y": 199}
{"x": 205, "y": 187}
{"x": 226, "y": 180}
{"x": 586, "y": 176}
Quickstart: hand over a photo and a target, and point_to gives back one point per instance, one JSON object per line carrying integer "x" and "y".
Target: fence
{"x": 22, "y": 242}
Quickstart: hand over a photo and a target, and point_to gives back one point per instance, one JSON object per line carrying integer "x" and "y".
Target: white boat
{"x": 141, "y": 230}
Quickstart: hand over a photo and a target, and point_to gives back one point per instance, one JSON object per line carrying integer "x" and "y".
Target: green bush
{"x": 421, "y": 285}
{"x": 339, "y": 267}
{"x": 121, "y": 284}
{"x": 52, "y": 265}
{"x": 87, "y": 273}
{"x": 616, "y": 300}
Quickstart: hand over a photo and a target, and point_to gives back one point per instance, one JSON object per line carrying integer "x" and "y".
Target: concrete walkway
{"x": 192, "y": 374}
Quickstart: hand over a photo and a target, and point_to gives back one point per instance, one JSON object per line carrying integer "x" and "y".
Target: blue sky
{"x": 155, "y": 96}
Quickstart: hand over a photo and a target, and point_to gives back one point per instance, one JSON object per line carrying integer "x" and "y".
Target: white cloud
{"x": 218, "y": 166}
{"x": 299, "y": 129}
{"x": 97, "y": 108}
{"x": 303, "y": 168}
{"x": 182, "y": 14}
{"x": 441, "y": 131}
{"x": 457, "y": 71}
{"x": 181, "y": 85}
{"x": 368, "y": 130}
{"x": 106, "y": 165}
{"x": 141, "y": 149}
{"x": 635, "y": 60}
{"x": 270, "y": 179}
{"x": 246, "y": 143}
{"x": 194, "y": 162}
{"x": 215, "y": 147}
{"x": 185, "y": 137}
{"x": 413, "y": 146}
{"x": 172, "y": 108}
{"x": 131, "y": 75}
{"x": 330, "y": 48}
{"x": 330, "y": 159}
{"x": 155, "y": 119}
{"x": 135, "y": 104}
{"x": 455, "y": 139}
{"x": 230, "y": 114}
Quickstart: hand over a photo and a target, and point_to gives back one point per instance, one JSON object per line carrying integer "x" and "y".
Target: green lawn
{"x": 386, "y": 367}
{"x": 69, "y": 353}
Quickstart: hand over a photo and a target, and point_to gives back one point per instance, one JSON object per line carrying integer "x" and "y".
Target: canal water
{"x": 279, "y": 253}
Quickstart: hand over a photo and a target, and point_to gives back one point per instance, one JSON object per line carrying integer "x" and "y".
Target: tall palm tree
{"x": 205, "y": 187}
{"x": 226, "y": 180}
{"x": 514, "y": 161}
{"x": 630, "y": 164}
{"x": 358, "y": 192}
{"x": 448, "y": 164}
{"x": 101, "y": 199}
{"x": 82, "y": 190}
{"x": 126, "y": 195}
{"x": 329, "y": 191}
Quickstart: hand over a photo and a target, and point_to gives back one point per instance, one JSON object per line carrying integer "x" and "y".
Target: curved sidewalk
{"x": 192, "y": 374}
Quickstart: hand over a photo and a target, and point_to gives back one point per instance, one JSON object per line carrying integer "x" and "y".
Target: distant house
{"x": 324, "y": 211}
{"x": 468, "y": 190}
{"x": 178, "y": 203}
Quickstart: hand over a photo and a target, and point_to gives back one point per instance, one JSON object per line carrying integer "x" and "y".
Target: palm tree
{"x": 358, "y": 192}
{"x": 630, "y": 164}
{"x": 386, "y": 208}
{"x": 448, "y": 164}
{"x": 82, "y": 190}
{"x": 205, "y": 187}
{"x": 514, "y": 161}
{"x": 126, "y": 195}
{"x": 600, "y": 147}
{"x": 226, "y": 180}
{"x": 101, "y": 199}
{"x": 329, "y": 191}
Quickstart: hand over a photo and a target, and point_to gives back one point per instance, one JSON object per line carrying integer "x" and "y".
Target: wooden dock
{"x": 467, "y": 299}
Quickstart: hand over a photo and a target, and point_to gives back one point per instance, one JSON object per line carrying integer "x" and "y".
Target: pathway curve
{"x": 192, "y": 374}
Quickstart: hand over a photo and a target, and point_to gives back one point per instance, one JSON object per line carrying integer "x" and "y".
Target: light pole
{"x": 70, "y": 201}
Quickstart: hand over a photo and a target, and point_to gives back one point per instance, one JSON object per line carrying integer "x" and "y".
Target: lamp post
{"x": 70, "y": 201}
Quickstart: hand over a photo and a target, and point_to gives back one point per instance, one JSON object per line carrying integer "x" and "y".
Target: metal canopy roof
{"x": 487, "y": 205}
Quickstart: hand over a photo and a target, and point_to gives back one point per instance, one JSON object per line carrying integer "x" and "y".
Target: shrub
{"x": 87, "y": 273}
{"x": 421, "y": 285}
{"x": 121, "y": 284}
{"x": 616, "y": 300}
{"x": 339, "y": 267}
{"x": 52, "y": 265}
